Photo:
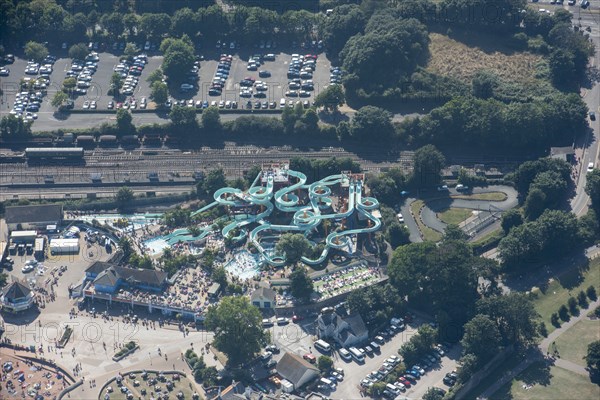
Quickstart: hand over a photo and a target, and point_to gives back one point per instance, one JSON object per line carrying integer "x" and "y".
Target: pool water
{"x": 156, "y": 245}
{"x": 244, "y": 265}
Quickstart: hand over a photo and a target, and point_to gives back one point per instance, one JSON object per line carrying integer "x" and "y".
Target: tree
{"x": 219, "y": 275}
{"x": 592, "y": 357}
{"x": 592, "y": 187}
{"x": 155, "y": 76}
{"x": 155, "y": 25}
{"x": 69, "y": 84}
{"x": 130, "y": 50}
{"x": 563, "y": 313}
{"x": 116, "y": 82}
{"x": 514, "y": 315}
{"x": 178, "y": 58}
{"x": 428, "y": 163}
{"x": 124, "y": 122}
{"x": 552, "y": 184}
{"x": 418, "y": 345}
{"x": 126, "y": 247}
{"x": 510, "y": 219}
{"x": 214, "y": 180}
{"x": 484, "y": 83}
{"x": 78, "y": 51}
{"x": 433, "y": 394}
{"x": 183, "y": 117}
{"x": 397, "y": 234}
{"x": 238, "y": 328}
{"x": 582, "y": 299}
{"x": 211, "y": 119}
{"x": 572, "y": 303}
{"x": 35, "y": 51}
{"x": 591, "y": 293}
{"x": 535, "y": 204}
{"x": 372, "y": 123}
{"x": 59, "y": 99}
{"x": 331, "y": 98}
{"x": 124, "y": 197}
{"x": 481, "y": 338}
{"x": 301, "y": 285}
{"x": 13, "y": 128}
{"x": 325, "y": 363}
{"x": 294, "y": 246}
{"x": 346, "y": 21}
{"x": 3, "y": 280}
{"x": 159, "y": 93}
{"x": 453, "y": 232}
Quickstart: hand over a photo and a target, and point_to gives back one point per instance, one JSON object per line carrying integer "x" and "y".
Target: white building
{"x": 346, "y": 331}
{"x": 64, "y": 246}
{"x": 16, "y": 297}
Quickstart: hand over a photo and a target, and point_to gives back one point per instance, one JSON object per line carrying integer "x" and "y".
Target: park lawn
{"x": 454, "y": 215}
{"x": 548, "y": 383}
{"x": 559, "y": 290}
{"x": 572, "y": 345}
{"x": 460, "y": 60}
{"x": 429, "y": 235}
{"x": 490, "y": 196}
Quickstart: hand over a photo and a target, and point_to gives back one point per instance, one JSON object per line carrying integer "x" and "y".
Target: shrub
{"x": 591, "y": 293}
{"x": 582, "y": 299}
{"x": 573, "y": 305}
{"x": 563, "y": 312}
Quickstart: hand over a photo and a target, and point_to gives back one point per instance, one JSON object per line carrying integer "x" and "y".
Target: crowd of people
{"x": 345, "y": 280}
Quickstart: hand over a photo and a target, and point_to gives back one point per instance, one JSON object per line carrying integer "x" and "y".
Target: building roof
{"x": 141, "y": 276}
{"x": 293, "y": 367}
{"x": 355, "y": 324}
{"x": 16, "y": 290}
{"x": 263, "y": 293}
{"x": 107, "y": 278}
{"x": 98, "y": 267}
{"x": 33, "y": 214}
{"x": 214, "y": 289}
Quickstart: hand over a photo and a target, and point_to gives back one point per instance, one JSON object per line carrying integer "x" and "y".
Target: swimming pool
{"x": 156, "y": 245}
{"x": 244, "y": 265}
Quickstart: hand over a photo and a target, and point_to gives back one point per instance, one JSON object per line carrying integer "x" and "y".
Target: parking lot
{"x": 277, "y": 83}
{"x": 298, "y": 338}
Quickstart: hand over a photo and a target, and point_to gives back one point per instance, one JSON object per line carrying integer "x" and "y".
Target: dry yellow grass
{"x": 458, "y": 60}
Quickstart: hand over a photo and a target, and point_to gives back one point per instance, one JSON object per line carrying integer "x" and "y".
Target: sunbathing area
{"x": 22, "y": 378}
{"x": 149, "y": 385}
{"x": 345, "y": 280}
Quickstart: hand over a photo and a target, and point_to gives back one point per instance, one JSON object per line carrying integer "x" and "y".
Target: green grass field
{"x": 542, "y": 382}
{"x": 491, "y": 196}
{"x": 454, "y": 215}
{"x": 429, "y": 235}
{"x": 550, "y": 299}
{"x": 572, "y": 345}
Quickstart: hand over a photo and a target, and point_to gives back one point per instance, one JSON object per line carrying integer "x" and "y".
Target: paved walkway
{"x": 533, "y": 355}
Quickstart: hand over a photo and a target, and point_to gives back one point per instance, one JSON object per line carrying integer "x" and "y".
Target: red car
{"x": 404, "y": 381}
{"x": 310, "y": 358}
{"x": 297, "y": 318}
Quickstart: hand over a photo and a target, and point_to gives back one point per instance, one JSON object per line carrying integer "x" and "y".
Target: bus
{"x": 322, "y": 346}
{"x": 357, "y": 355}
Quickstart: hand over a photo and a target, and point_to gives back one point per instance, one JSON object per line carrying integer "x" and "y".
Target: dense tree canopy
{"x": 441, "y": 278}
{"x": 294, "y": 246}
{"x": 427, "y": 166}
{"x": 388, "y": 51}
{"x": 238, "y": 328}
{"x": 301, "y": 285}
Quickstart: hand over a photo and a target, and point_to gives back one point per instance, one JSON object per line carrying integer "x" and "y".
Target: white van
{"x": 282, "y": 103}
{"x": 345, "y": 354}
{"x": 267, "y": 323}
{"x": 323, "y": 346}
{"x": 356, "y": 355}
{"x": 392, "y": 389}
